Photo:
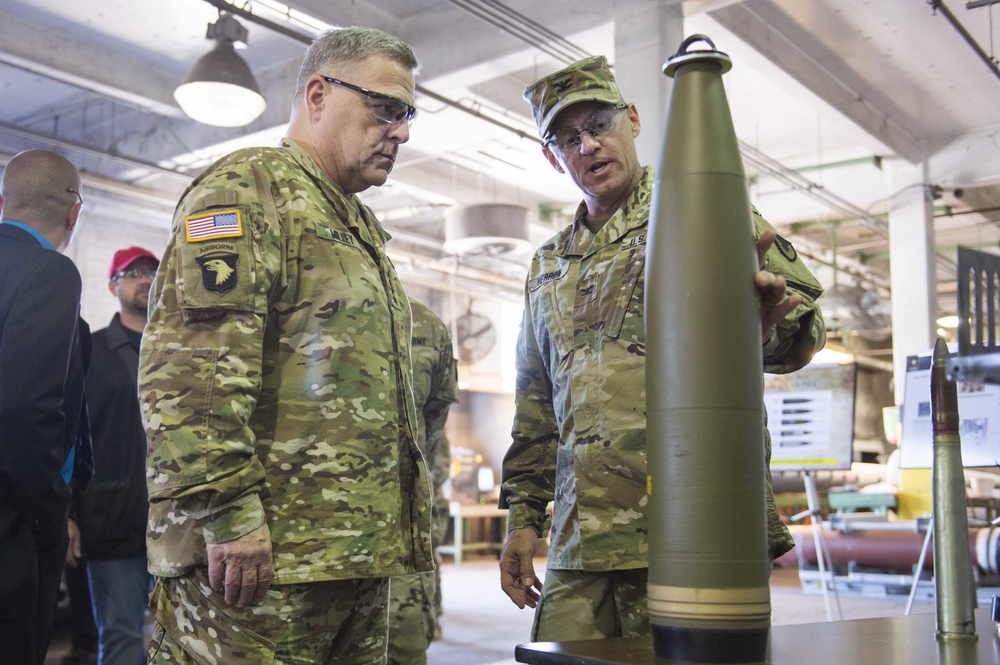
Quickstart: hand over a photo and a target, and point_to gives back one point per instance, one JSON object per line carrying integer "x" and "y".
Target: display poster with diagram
{"x": 978, "y": 414}
{"x": 810, "y": 415}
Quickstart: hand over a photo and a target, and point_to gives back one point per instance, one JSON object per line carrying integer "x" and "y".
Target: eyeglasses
{"x": 387, "y": 109}
{"x": 598, "y": 124}
{"x": 134, "y": 273}
{"x": 74, "y": 190}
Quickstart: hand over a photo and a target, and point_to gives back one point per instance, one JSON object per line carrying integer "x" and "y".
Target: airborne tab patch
{"x": 222, "y": 224}
{"x": 218, "y": 271}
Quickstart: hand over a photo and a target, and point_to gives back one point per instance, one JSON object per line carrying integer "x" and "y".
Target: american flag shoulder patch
{"x": 221, "y": 224}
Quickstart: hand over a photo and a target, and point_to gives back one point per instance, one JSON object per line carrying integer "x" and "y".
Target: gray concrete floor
{"x": 481, "y": 626}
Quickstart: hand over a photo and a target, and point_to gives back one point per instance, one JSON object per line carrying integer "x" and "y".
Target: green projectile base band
{"x": 710, "y": 646}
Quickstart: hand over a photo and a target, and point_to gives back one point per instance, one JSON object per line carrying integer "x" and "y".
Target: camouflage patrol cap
{"x": 588, "y": 80}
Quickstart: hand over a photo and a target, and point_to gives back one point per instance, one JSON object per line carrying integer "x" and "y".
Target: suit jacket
{"x": 43, "y": 354}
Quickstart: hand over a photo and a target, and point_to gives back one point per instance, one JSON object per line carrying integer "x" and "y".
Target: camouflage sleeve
{"x": 443, "y": 393}
{"x": 779, "y": 538}
{"x": 440, "y": 461}
{"x": 201, "y": 361}
{"x": 802, "y": 332}
{"x": 791, "y": 346}
{"x": 529, "y": 467}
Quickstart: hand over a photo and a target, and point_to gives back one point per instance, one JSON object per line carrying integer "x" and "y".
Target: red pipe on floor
{"x": 894, "y": 549}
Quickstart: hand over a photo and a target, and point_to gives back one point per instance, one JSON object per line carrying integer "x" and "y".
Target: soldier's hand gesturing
{"x": 775, "y": 301}
{"x": 241, "y": 567}
{"x": 517, "y": 571}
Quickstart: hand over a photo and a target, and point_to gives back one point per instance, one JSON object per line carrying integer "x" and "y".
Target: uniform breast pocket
{"x": 552, "y": 301}
{"x": 333, "y": 270}
{"x": 626, "y": 288}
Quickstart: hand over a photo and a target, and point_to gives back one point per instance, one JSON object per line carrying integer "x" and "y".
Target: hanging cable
{"x": 524, "y": 28}
{"x": 540, "y": 29}
{"x": 812, "y": 189}
{"x": 222, "y": 5}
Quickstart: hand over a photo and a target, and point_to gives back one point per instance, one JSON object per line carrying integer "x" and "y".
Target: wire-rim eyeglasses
{"x": 598, "y": 124}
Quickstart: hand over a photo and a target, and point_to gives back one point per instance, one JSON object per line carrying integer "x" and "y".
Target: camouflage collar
{"x": 348, "y": 206}
{"x": 634, "y": 214}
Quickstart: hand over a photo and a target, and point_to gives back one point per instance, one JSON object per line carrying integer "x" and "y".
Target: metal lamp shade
{"x": 220, "y": 90}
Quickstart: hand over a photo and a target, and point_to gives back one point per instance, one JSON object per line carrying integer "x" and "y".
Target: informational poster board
{"x": 978, "y": 413}
{"x": 810, "y": 415}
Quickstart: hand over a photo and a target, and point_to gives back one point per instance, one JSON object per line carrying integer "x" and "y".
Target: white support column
{"x": 911, "y": 257}
{"x": 646, "y": 34}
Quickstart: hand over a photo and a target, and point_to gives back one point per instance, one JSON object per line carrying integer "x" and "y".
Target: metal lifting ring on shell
{"x": 683, "y": 56}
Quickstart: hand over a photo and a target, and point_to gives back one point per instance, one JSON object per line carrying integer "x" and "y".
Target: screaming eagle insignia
{"x": 218, "y": 271}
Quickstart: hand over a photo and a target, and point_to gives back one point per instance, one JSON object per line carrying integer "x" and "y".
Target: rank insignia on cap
{"x": 218, "y": 271}
{"x": 222, "y": 224}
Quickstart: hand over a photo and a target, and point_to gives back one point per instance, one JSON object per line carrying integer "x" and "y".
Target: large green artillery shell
{"x": 954, "y": 587}
{"x": 709, "y": 599}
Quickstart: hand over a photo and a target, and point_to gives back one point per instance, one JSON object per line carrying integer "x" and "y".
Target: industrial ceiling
{"x": 830, "y": 98}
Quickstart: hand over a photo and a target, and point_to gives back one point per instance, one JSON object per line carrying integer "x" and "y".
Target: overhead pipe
{"x": 89, "y": 151}
{"x": 938, "y": 5}
{"x": 514, "y": 23}
{"x": 800, "y": 183}
{"x": 222, "y": 5}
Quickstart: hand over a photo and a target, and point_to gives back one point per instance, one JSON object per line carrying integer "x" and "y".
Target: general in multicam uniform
{"x": 275, "y": 382}
{"x": 579, "y": 433}
{"x": 414, "y": 599}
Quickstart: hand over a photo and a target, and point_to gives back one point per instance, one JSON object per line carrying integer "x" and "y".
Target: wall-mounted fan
{"x": 476, "y": 336}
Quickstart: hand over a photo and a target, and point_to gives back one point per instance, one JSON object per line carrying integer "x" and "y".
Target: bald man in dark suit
{"x": 43, "y": 347}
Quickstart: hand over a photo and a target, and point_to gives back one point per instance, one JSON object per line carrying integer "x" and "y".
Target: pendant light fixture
{"x": 221, "y": 90}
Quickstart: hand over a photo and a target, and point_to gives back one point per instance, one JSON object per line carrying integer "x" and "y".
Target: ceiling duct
{"x": 487, "y": 228}
{"x": 852, "y": 308}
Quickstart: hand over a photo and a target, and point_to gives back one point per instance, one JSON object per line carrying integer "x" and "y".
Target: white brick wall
{"x": 104, "y": 228}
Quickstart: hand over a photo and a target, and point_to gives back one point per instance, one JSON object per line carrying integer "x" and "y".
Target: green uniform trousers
{"x": 317, "y": 623}
{"x": 411, "y": 617}
{"x": 580, "y": 605}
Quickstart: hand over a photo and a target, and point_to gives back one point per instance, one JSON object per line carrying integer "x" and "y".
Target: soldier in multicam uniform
{"x": 276, "y": 388}
{"x": 414, "y": 599}
{"x": 579, "y": 427}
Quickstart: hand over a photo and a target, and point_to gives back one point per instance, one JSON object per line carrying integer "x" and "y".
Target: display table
{"x": 882, "y": 641}
{"x": 463, "y": 512}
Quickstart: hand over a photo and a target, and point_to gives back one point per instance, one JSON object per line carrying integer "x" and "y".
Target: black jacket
{"x": 112, "y": 513}
{"x": 43, "y": 346}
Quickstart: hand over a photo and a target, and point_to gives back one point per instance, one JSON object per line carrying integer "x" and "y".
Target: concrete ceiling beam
{"x": 773, "y": 34}
{"x": 36, "y": 49}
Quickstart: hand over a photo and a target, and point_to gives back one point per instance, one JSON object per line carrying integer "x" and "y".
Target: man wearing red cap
{"x": 112, "y": 514}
